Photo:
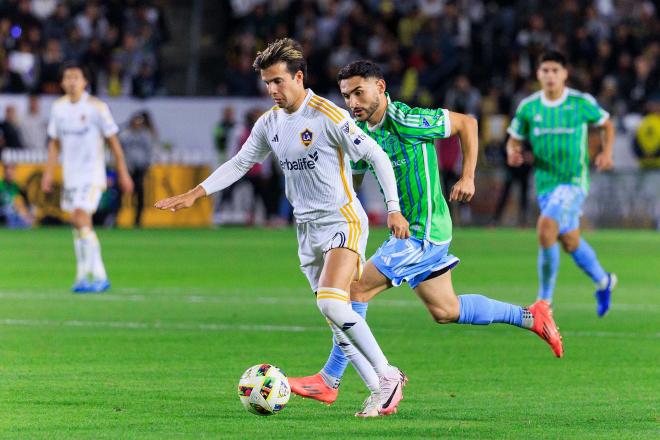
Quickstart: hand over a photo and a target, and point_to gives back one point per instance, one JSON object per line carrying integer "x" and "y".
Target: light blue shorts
{"x": 564, "y": 205}
{"x": 412, "y": 260}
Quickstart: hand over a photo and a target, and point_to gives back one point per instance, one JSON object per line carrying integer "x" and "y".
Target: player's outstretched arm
{"x": 124, "y": 178}
{"x": 53, "y": 153}
{"x": 604, "y": 159}
{"x": 225, "y": 175}
{"x": 185, "y": 200}
{"x": 468, "y": 131}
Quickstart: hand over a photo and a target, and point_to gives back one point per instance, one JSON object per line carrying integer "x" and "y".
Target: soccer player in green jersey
{"x": 554, "y": 120}
{"x": 407, "y": 135}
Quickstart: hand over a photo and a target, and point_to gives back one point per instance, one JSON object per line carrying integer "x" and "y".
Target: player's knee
{"x": 545, "y": 239}
{"x": 360, "y": 296}
{"x": 546, "y": 232}
{"x": 333, "y": 308}
{"x": 358, "y": 292}
{"x": 445, "y": 314}
{"x": 569, "y": 244}
{"x": 357, "y": 288}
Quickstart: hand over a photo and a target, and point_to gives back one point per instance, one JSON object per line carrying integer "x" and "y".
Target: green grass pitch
{"x": 160, "y": 355}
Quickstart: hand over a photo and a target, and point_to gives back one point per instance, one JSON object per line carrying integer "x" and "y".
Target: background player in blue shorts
{"x": 555, "y": 121}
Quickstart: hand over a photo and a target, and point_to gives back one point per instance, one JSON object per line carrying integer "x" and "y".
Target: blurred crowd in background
{"x": 470, "y": 56}
{"x": 118, "y": 40}
{"x": 473, "y": 56}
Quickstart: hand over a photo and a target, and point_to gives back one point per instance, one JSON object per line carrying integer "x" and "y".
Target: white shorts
{"x": 85, "y": 197}
{"x": 348, "y": 229}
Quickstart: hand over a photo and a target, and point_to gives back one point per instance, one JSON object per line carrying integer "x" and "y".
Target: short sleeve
{"x": 421, "y": 123}
{"x": 52, "y": 125}
{"x": 106, "y": 122}
{"x": 592, "y": 112}
{"x": 519, "y": 127}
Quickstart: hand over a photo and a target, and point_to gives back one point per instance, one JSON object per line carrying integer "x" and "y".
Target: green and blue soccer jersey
{"x": 407, "y": 135}
{"x": 557, "y": 131}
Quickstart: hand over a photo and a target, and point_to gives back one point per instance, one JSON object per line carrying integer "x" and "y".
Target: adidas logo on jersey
{"x": 275, "y": 139}
{"x": 303, "y": 163}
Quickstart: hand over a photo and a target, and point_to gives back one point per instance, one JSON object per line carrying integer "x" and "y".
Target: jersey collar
{"x": 557, "y": 102}
{"x": 310, "y": 93}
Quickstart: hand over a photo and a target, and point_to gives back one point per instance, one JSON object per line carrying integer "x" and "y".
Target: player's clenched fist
{"x": 604, "y": 162}
{"x": 514, "y": 156}
{"x": 398, "y": 225}
{"x": 462, "y": 191}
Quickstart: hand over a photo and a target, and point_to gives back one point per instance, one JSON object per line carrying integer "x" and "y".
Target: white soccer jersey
{"x": 313, "y": 146}
{"x": 80, "y": 128}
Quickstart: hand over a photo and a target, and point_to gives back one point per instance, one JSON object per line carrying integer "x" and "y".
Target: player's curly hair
{"x": 285, "y": 50}
{"x": 363, "y": 68}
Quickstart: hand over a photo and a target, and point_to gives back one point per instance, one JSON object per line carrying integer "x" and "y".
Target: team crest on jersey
{"x": 306, "y": 137}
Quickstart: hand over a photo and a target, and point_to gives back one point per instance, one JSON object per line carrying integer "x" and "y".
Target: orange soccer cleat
{"x": 545, "y": 327}
{"x": 313, "y": 387}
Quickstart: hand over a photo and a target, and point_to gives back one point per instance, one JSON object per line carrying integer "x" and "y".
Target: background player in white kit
{"x": 313, "y": 140}
{"x": 78, "y": 128}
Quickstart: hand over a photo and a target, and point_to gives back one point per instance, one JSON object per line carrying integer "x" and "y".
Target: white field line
{"x": 299, "y": 297}
{"x": 158, "y": 325}
{"x": 214, "y": 327}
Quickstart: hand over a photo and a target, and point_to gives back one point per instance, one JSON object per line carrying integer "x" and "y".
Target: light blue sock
{"x": 548, "y": 265}
{"x": 481, "y": 310}
{"x": 337, "y": 362}
{"x": 585, "y": 258}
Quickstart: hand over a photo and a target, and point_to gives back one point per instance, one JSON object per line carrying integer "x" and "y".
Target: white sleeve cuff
{"x": 602, "y": 120}
{"x": 514, "y": 134}
{"x": 393, "y": 206}
{"x": 445, "y": 112}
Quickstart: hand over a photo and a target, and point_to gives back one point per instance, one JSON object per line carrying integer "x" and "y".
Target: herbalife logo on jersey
{"x": 304, "y": 163}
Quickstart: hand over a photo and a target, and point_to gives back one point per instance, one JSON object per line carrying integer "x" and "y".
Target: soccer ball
{"x": 264, "y": 390}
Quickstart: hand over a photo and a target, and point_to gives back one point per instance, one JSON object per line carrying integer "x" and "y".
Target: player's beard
{"x": 369, "y": 111}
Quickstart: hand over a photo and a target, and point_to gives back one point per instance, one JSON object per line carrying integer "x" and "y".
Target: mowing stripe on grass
{"x": 184, "y": 326}
{"x": 219, "y": 298}
{"x": 159, "y": 325}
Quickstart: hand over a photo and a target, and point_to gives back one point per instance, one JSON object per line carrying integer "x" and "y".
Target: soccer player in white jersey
{"x": 314, "y": 141}
{"x": 78, "y": 128}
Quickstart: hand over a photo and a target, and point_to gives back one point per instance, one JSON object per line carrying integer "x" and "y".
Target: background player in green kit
{"x": 407, "y": 135}
{"x": 554, "y": 120}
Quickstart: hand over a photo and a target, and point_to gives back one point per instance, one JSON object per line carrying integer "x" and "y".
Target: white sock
{"x": 98, "y": 268}
{"x": 78, "y": 249}
{"x": 92, "y": 251}
{"x": 359, "y": 362}
{"x": 334, "y": 305}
